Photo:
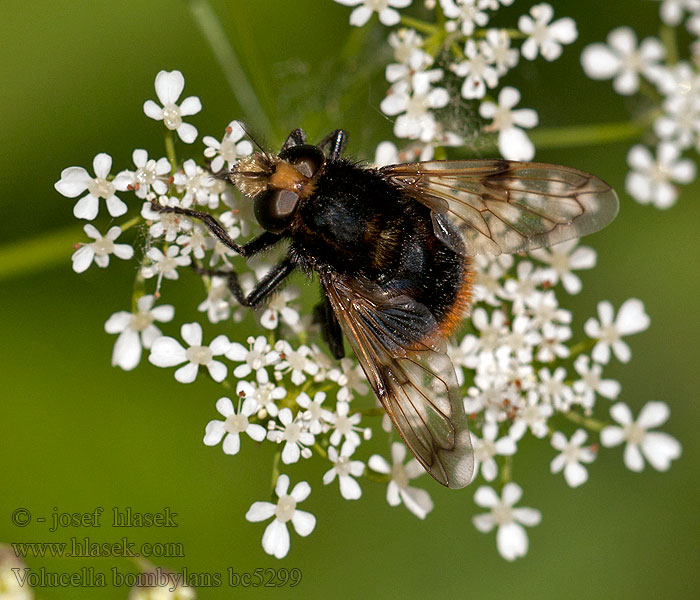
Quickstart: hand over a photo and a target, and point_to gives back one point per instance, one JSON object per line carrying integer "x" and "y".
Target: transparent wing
{"x": 409, "y": 371}
{"x": 500, "y": 206}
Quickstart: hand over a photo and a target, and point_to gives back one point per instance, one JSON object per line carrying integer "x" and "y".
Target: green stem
{"x": 418, "y": 25}
{"x": 587, "y": 422}
{"x": 668, "y": 37}
{"x": 587, "y": 135}
{"x": 243, "y": 91}
{"x": 170, "y": 150}
{"x": 33, "y": 254}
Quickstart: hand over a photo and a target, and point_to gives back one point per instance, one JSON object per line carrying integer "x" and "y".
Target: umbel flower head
{"x": 527, "y": 367}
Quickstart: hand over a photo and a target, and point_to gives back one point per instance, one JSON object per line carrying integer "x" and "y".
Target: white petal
{"x": 660, "y": 449}
{"x": 256, "y": 432}
{"x": 192, "y": 333}
{"x": 152, "y": 110}
{"x": 632, "y": 318}
{"x": 237, "y": 352}
{"x": 564, "y": 30}
{"x": 612, "y": 436}
{"x": 511, "y": 540}
{"x": 389, "y": 17}
{"x": 217, "y": 370}
{"x": 74, "y": 181}
{"x": 282, "y": 485}
{"x": 417, "y": 500}
{"x": 653, "y": 414}
{"x": 484, "y": 522}
{"x": 232, "y": 443}
{"x": 514, "y": 144}
{"x": 360, "y": 16}
{"x": 599, "y": 62}
{"x": 190, "y": 106}
{"x": 486, "y": 496}
{"x": 115, "y": 206}
{"x": 379, "y": 464}
{"x": 621, "y": 413}
{"x": 163, "y": 313}
{"x": 349, "y": 488}
{"x": 304, "y": 522}
{"x": 123, "y": 251}
{"x": 102, "y": 164}
{"x": 187, "y": 133}
{"x": 224, "y": 406}
{"x": 82, "y": 258}
{"x": 166, "y": 352}
{"x": 187, "y": 374}
{"x": 527, "y": 516}
{"x": 260, "y": 511}
{"x": 512, "y": 493}
{"x": 169, "y": 86}
{"x": 633, "y": 458}
{"x": 301, "y": 491}
{"x": 276, "y": 539}
{"x": 525, "y": 117}
{"x": 508, "y": 97}
{"x": 575, "y": 474}
{"x": 118, "y": 322}
{"x": 127, "y": 350}
{"x": 86, "y": 207}
{"x": 213, "y": 432}
{"x": 290, "y": 453}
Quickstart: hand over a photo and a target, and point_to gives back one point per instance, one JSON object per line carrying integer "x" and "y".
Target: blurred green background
{"x": 77, "y": 433}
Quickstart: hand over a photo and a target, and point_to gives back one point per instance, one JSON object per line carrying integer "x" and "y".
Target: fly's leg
{"x": 330, "y": 328}
{"x": 296, "y": 138}
{"x": 334, "y": 143}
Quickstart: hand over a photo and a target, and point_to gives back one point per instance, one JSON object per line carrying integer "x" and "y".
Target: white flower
{"x": 487, "y": 447}
{"x": 511, "y": 537}
{"x": 553, "y": 389}
{"x": 277, "y": 308}
{"x": 345, "y": 469}
{"x": 235, "y": 424}
{"x": 630, "y": 319}
{"x": 345, "y": 426}
{"x": 544, "y": 37}
{"x": 592, "y": 383}
{"x": 295, "y": 435}
{"x": 316, "y": 417}
{"x": 407, "y": 45}
{"x": 167, "y": 352}
{"x": 75, "y": 180}
{"x": 229, "y": 149}
{"x": 523, "y": 289}
{"x": 563, "y": 258}
{"x": 533, "y": 415}
{"x": 413, "y": 103}
{"x": 657, "y": 447}
{"x": 265, "y": 395}
{"x": 165, "y": 265}
{"x": 168, "y": 223}
{"x": 100, "y": 249}
{"x": 466, "y": 14}
{"x": 650, "y": 180}
{"x": 504, "y": 57}
{"x": 276, "y": 537}
{"x": 623, "y": 60}
{"x": 258, "y": 356}
{"x": 571, "y": 457}
{"x": 136, "y": 330}
{"x": 513, "y": 142}
{"x": 477, "y": 68}
{"x": 415, "y": 499}
{"x": 295, "y": 361}
{"x": 672, "y": 11}
{"x": 169, "y": 86}
{"x": 197, "y": 242}
{"x": 350, "y": 377}
{"x": 218, "y": 301}
{"x": 197, "y": 184}
{"x": 149, "y": 175}
{"x": 387, "y": 15}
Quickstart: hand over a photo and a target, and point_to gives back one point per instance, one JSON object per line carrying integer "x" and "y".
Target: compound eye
{"x": 306, "y": 159}
{"x": 275, "y": 209}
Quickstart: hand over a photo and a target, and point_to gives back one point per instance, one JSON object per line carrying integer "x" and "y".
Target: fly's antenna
{"x": 250, "y": 135}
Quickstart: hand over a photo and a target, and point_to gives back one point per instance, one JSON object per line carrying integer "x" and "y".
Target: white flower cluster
{"x": 478, "y": 62}
{"x": 650, "y": 68}
{"x": 520, "y": 372}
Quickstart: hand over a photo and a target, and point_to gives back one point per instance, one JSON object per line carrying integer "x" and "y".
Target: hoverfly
{"x": 391, "y": 247}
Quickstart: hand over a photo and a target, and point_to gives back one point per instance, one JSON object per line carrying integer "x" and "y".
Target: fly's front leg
{"x": 296, "y": 138}
{"x": 260, "y": 243}
{"x": 262, "y": 290}
{"x": 335, "y": 143}
{"x": 331, "y": 332}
